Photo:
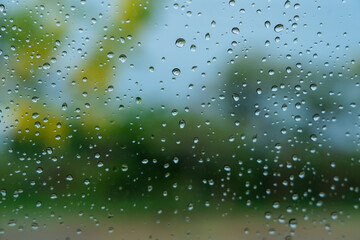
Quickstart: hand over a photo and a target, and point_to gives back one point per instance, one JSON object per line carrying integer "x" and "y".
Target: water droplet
{"x": 122, "y": 58}
{"x": 268, "y": 215}
{"x": 35, "y": 115}
{"x": 2, "y": 7}
{"x": 49, "y": 150}
{"x": 235, "y": 30}
{"x": 190, "y": 206}
{"x": 176, "y": 160}
{"x": 12, "y": 223}
{"x": 313, "y": 87}
{"x": 227, "y": 168}
{"x": 276, "y": 205}
{"x": 174, "y": 112}
{"x": 35, "y": 99}
{"x": 287, "y": 4}
{"x": 37, "y": 124}
{"x": 176, "y": 72}
{"x": 124, "y": 167}
{"x": 182, "y": 123}
{"x": 207, "y": 36}
{"x": 236, "y": 97}
{"x": 64, "y": 106}
{"x": 279, "y": 28}
{"x": 34, "y": 226}
{"x": 313, "y": 137}
{"x": 284, "y": 107}
{"x": 272, "y": 231}
{"x": 46, "y": 66}
{"x": 297, "y": 118}
{"x": 69, "y": 177}
{"x": 267, "y": 24}
{"x": 110, "y": 54}
{"x": 293, "y": 223}
{"x": 180, "y": 42}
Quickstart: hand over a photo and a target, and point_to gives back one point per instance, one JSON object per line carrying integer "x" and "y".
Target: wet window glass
{"x": 179, "y": 119}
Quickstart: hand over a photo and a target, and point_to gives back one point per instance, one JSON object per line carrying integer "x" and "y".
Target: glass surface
{"x": 197, "y": 119}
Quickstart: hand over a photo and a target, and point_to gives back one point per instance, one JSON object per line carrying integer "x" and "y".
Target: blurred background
{"x": 125, "y": 119}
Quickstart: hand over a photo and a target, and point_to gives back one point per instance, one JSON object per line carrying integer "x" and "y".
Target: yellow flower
{"x": 34, "y": 44}
{"x": 37, "y": 124}
{"x": 98, "y": 69}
